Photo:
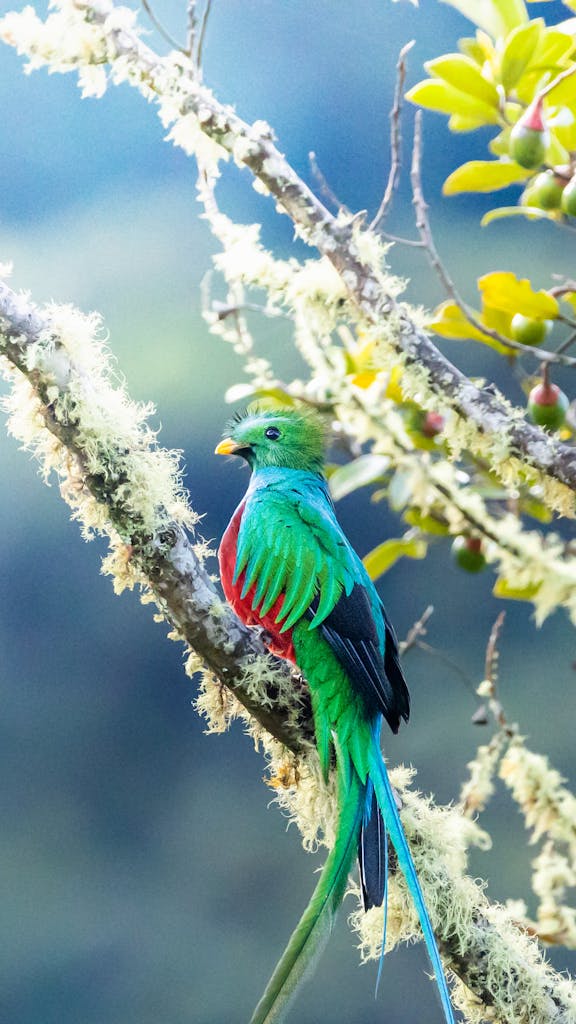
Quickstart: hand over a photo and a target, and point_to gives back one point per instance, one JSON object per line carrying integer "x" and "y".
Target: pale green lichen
{"x": 549, "y": 808}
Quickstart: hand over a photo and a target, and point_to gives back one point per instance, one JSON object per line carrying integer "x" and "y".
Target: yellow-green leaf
{"x": 473, "y": 48}
{"x": 450, "y": 322}
{"x": 497, "y": 17}
{"x": 553, "y": 48}
{"x": 531, "y": 212}
{"x": 358, "y": 473}
{"x": 518, "y": 52}
{"x": 563, "y": 94}
{"x": 463, "y": 73}
{"x": 484, "y": 176}
{"x": 426, "y": 523}
{"x": 503, "y": 290}
{"x": 245, "y": 392}
{"x": 464, "y": 123}
{"x": 381, "y": 558}
{"x": 435, "y": 94}
{"x": 536, "y": 509}
{"x": 500, "y": 144}
{"x": 503, "y": 588}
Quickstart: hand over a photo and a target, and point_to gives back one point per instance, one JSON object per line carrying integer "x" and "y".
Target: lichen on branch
{"x": 66, "y": 407}
{"x": 212, "y": 131}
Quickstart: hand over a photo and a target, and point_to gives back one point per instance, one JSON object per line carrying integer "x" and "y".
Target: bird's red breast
{"x": 277, "y": 642}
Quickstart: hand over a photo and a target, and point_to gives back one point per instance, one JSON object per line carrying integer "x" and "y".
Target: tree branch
{"x": 166, "y": 559}
{"x": 340, "y": 241}
{"x": 489, "y": 955}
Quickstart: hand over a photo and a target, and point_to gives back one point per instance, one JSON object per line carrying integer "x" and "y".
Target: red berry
{"x": 432, "y": 424}
{"x": 467, "y": 553}
{"x": 529, "y": 138}
{"x": 547, "y": 406}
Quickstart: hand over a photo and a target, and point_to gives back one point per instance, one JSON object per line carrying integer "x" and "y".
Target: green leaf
{"x": 434, "y": 94}
{"x": 503, "y": 588}
{"x": 503, "y": 290}
{"x": 358, "y": 473}
{"x": 426, "y": 523}
{"x": 484, "y": 176}
{"x": 464, "y": 74}
{"x": 531, "y": 212}
{"x": 381, "y": 558}
{"x": 518, "y": 52}
{"x": 400, "y": 489}
{"x": 496, "y": 17}
{"x": 534, "y": 508}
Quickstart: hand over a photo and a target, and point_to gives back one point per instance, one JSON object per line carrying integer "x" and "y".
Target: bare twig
{"x": 192, "y": 23}
{"x": 425, "y": 231}
{"x": 160, "y": 27}
{"x": 417, "y": 630}
{"x": 325, "y": 189}
{"x": 449, "y": 662}
{"x": 490, "y": 683}
{"x": 202, "y": 36}
{"x": 566, "y": 344}
{"x": 395, "y": 138}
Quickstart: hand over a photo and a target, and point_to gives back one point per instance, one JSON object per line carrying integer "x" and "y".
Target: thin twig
{"x": 425, "y": 232}
{"x": 491, "y": 678}
{"x": 566, "y": 344}
{"x": 417, "y": 630}
{"x": 202, "y": 37}
{"x": 395, "y": 137}
{"x": 325, "y": 189}
{"x": 160, "y": 27}
{"x": 415, "y": 243}
{"x": 192, "y": 22}
{"x": 449, "y": 662}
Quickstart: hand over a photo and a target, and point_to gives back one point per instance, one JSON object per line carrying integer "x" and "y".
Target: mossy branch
{"x": 109, "y": 471}
{"x": 65, "y": 406}
{"x": 343, "y": 240}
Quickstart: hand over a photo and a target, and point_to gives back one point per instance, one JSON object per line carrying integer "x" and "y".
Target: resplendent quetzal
{"x": 287, "y": 566}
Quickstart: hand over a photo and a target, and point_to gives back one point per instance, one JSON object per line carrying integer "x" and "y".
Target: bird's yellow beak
{"x": 226, "y": 447}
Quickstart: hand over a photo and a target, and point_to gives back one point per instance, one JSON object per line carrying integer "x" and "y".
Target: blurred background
{"x": 144, "y": 878}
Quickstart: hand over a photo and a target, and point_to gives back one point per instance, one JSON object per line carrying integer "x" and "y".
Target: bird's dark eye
{"x": 272, "y": 433}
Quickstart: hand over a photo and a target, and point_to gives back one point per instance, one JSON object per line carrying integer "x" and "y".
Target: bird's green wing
{"x": 290, "y": 544}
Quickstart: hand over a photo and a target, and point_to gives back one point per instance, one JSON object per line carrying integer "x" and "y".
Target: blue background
{"x": 143, "y": 877}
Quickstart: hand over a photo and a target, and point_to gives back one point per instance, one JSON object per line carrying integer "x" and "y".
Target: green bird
{"x": 286, "y": 566}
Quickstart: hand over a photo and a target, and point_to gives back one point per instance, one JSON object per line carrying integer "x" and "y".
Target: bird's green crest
{"x": 286, "y": 437}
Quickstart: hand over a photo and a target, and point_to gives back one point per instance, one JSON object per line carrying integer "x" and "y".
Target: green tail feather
{"x": 313, "y": 930}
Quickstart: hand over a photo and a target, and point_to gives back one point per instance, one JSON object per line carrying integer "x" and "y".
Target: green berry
{"x": 547, "y": 406}
{"x": 569, "y": 198}
{"x": 546, "y": 190}
{"x": 467, "y": 553}
{"x": 528, "y": 330}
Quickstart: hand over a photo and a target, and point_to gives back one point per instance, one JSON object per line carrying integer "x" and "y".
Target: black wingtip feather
{"x": 372, "y": 857}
